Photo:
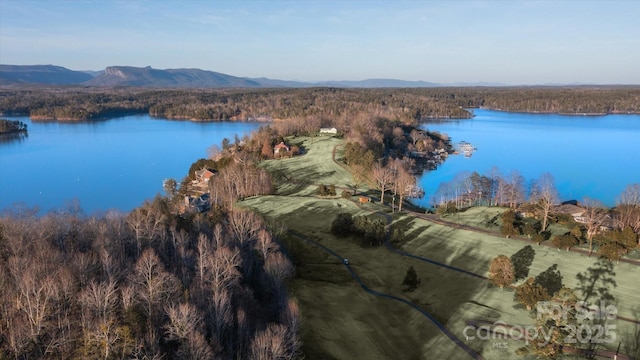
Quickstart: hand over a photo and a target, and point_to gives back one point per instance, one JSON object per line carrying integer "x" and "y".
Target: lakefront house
{"x": 280, "y": 147}
{"x": 204, "y": 175}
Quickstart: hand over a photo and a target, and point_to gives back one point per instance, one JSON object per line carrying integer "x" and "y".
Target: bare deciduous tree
{"x": 222, "y": 268}
{"x": 127, "y": 296}
{"x": 594, "y": 216}
{"x": 382, "y": 176}
{"x": 272, "y": 343}
{"x": 185, "y": 326}
{"x": 110, "y": 265}
{"x": 64, "y": 293}
{"x": 278, "y": 267}
{"x": 221, "y": 314}
{"x": 545, "y": 196}
{"x": 244, "y": 226}
{"x": 155, "y": 285}
{"x": 405, "y": 182}
{"x": 265, "y": 244}
{"x": 36, "y": 292}
{"x": 627, "y": 211}
{"x": 511, "y": 189}
{"x": 184, "y": 320}
{"x": 98, "y": 301}
{"x": 204, "y": 251}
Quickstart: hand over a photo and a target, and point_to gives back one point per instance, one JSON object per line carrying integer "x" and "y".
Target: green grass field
{"x": 297, "y": 175}
{"x": 341, "y": 321}
{"x": 473, "y": 251}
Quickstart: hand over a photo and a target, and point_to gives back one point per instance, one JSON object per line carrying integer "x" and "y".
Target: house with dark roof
{"x": 201, "y": 203}
{"x": 570, "y": 209}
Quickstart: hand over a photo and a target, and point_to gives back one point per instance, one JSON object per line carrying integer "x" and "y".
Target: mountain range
{"x": 176, "y": 78}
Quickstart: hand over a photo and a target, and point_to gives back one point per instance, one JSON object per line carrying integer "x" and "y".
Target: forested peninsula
{"x": 409, "y": 104}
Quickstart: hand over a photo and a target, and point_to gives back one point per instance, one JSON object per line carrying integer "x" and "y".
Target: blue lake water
{"x": 593, "y": 156}
{"x": 106, "y": 164}
{"x": 118, "y": 163}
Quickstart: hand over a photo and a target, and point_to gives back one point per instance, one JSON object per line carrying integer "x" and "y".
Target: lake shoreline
{"x": 44, "y": 119}
{"x": 557, "y": 113}
{"x": 535, "y": 143}
{"x": 105, "y": 165}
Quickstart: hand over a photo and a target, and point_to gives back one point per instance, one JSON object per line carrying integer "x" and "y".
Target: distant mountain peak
{"x": 183, "y": 78}
{"x": 114, "y": 71}
{"x": 41, "y": 74}
{"x": 178, "y": 78}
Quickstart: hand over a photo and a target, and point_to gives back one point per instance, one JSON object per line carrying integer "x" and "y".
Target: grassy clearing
{"x": 341, "y": 321}
{"x": 297, "y": 175}
{"x": 489, "y": 218}
{"x": 481, "y": 216}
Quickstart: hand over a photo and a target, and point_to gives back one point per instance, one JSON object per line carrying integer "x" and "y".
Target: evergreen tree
{"x": 550, "y": 279}
{"x": 522, "y": 260}
{"x": 411, "y": 279}
{"x": 529, "y": 293}
{"x": 509, "y": 223}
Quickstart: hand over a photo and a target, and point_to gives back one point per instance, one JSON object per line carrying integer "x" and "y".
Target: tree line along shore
{"x": 405, "y": 104}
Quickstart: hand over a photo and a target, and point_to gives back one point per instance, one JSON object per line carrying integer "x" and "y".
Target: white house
{"x": 328, "y": 131}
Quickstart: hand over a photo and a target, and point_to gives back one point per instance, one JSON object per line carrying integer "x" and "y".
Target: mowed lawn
{"x": 301, "y": 174}
{"x": 342, "y": 321}
{"x": 488, "y": 218}
{"x": 473, "y": 252}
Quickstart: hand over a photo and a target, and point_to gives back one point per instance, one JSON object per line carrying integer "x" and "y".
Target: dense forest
{"x": 146, "y": 285}
{"x": 562, "y": 100}
{"x": 339, "y": 104}
{"x": 80, "y": 104}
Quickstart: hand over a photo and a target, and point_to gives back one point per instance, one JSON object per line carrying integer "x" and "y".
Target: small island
{"x": 12, "y": 127}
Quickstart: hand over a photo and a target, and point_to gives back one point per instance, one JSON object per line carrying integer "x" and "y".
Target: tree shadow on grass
{"x": 597, "y": 281}
{"x": 451, "y": 292}
{"x": 417, "y": 231}
{"x": 404, "y": 223}
{"x": 465, "y": 257}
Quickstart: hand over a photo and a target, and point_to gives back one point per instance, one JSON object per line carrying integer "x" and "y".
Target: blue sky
{"x": 512, "y": 42}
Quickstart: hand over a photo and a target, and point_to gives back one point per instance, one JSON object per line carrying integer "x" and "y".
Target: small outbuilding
{"x": 328, "y": 131}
